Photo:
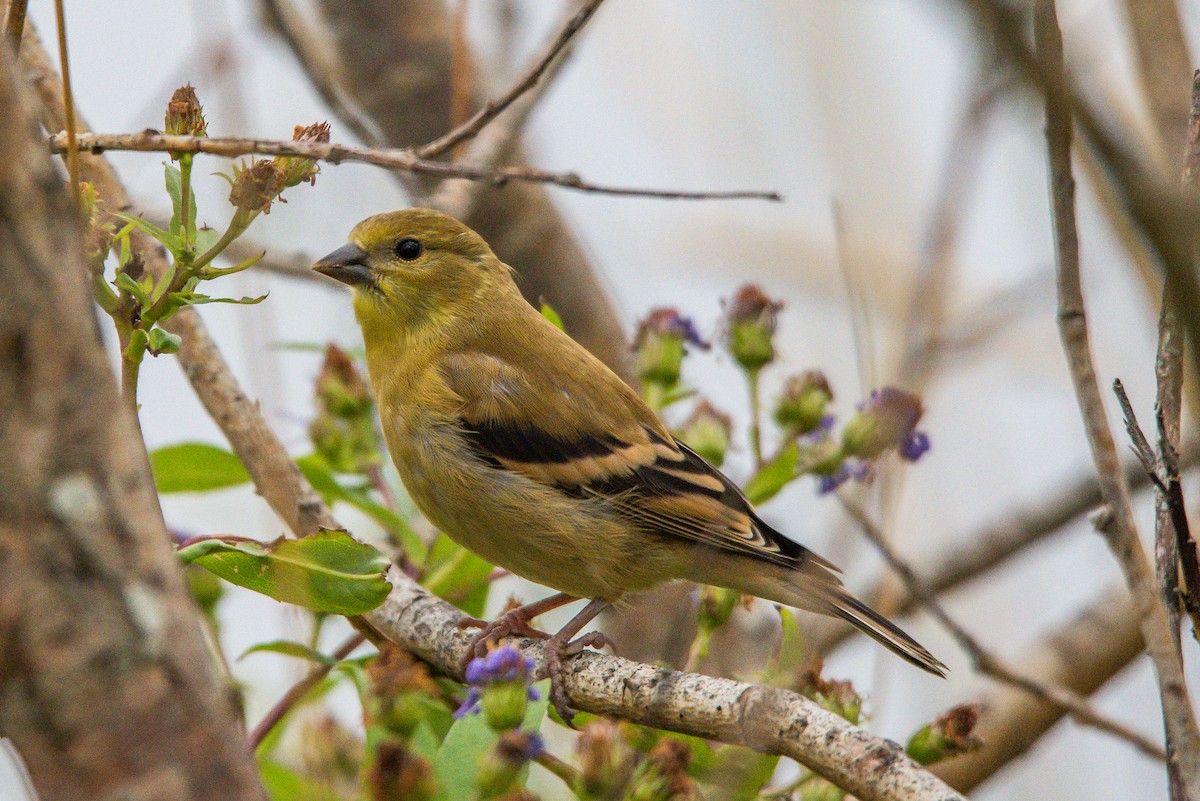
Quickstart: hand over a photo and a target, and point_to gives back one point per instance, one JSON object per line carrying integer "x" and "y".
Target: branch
{"x": 1080, "y": 656}
{"x": 527, "y": 81}
{"x": 300, "y": 689}
{"x": 766, "y": 719}
{"x": 1119, "y": 529}
{"x": 992, "y": 545}
{"x": 986, "y": 662}
{"x": 396, "y": 159}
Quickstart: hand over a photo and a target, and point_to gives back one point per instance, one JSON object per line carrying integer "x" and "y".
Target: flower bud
{"x": 666, "y": 777}
{"x": 397, "y": 774}
{"x": 838, "y": 697}
{"x": 399, "y": 688}
{"x": 951, "y": 734}
{"x": 888, "y": 419}
{"x": 298, "y": 169}
{"x": 801, "y": 409}
{"x": 501, "y": 686}
{"x": 601, "y": 756}
{"x": 504, "y": 704}
{"x": 716, "y": 606}
{"x": 341, "y": 389}
{"x": 707, "y": 432}
{"x": 750, "y": 331}
{"x": 185, "y": 116}
{"x": 328, "y": 751}
{"x": 661, "y": 343}
{"x": 256, "y": 186}
{"x": 499, "y": 768}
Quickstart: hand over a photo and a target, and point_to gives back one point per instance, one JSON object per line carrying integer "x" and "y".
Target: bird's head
{"x": 414, "y": 268}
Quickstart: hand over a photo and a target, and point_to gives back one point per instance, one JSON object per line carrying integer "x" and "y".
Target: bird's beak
{"x": 347, "y": 264}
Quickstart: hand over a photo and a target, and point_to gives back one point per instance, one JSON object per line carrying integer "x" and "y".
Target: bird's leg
{"x": 563, "y": 644}
{"x": 513, "y": 622}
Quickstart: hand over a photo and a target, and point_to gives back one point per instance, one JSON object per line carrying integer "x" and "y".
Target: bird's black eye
{"x": 409, "y": 249}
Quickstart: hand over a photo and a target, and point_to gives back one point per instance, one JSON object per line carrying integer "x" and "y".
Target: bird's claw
{"x": 556, "y": 651}
{"x": 513, "y": 623}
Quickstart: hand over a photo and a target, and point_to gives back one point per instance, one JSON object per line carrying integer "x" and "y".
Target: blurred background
{"x": 913, "y": 247}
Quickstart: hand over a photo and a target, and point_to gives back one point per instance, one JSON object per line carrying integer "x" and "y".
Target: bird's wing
{"x": 596, "y": 439}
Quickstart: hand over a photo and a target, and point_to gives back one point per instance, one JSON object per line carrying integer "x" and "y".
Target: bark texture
{"x": 106, "y": 687}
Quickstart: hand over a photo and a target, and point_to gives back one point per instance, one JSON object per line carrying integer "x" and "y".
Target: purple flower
{"x": 887, "y": 419}
{"x": 504, "y": 668}
{"x": 661, "y": 343}
{"x": 914, "y": 446}
{"x": 850, "y": 469}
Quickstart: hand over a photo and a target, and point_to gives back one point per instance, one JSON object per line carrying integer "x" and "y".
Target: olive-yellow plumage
{"x": 519, "y": 444}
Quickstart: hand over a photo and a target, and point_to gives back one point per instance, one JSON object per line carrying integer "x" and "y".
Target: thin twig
{"x": 494, "y": 108}
{"x": 1118, "y": 527}
{"x": 396, "y": 159}
{"x": 300, "y": 689}
{"x": 494, "y": 145}
{"x": 1137, "y": 438}
{"x": 68, "y": 100}
{"x": 983, "y": 660}
{"x": 14, "y": 24}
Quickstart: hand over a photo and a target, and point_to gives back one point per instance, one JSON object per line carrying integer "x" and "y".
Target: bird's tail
{"x": 815, "y": 587}
{"x": 885, "y": 632}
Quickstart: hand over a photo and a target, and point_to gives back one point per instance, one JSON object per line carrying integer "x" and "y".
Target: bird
{"x": 523, "y": 447}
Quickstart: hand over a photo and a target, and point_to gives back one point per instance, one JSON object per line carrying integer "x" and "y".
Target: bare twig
{"x": 1081, "y": 655}
{"x": 1119, "y": 529}
{"x": 992, "y": 545}
{"x": 986, "y": 662}
{"x": 300, "y": 689}
{"x": 14, "y": 24}
{"x": 494, "y": 108}
{"x": 495, "y": 144}
{"x": 68, "y": 101}
{"x": 388, "y": 158}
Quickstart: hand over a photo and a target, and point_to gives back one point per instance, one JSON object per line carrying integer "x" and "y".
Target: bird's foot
{"x": 558, "y": 649}
{"x": 513, "y": 623}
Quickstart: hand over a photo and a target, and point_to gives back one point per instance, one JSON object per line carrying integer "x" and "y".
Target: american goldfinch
{"x": 526, "y": 449}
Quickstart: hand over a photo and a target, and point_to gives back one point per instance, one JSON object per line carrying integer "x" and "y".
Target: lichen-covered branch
{"x": 767, "y": 719}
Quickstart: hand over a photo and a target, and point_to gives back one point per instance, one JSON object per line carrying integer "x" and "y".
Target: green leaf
{"x": 133, "y": 287}
{"x": 774, "y": 475}
{"x": 170, "y": 241}
{"x": 164, "y": 341}
{"x": 457, "y": 575}
{"x": 550, "y": 314}
{"x": 739, "y": 774}
{"x": 289, "y": 648}
{"x": 456, "y": 764}
{"x": 196, "y": 467}
{"x": 174, "y": 181}
{"x": 135, "y": 350}
{"x": 284, "y": 784}
{"x": 317, "y": 471}
{"x": 327, "y": 572}
{"x": 424, "y": 742}
{"x": 197, "y": 300}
